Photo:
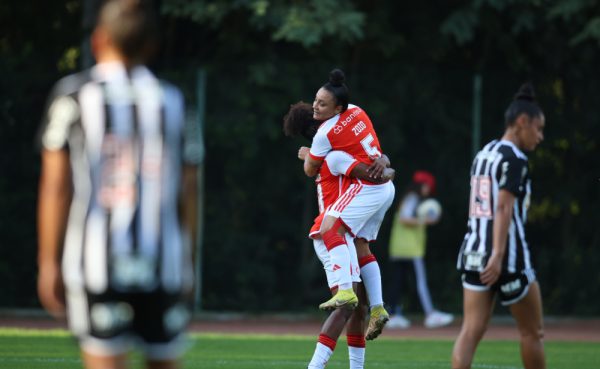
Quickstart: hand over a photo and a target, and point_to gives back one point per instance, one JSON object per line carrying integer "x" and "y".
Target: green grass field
{"x": 36, "y": 349}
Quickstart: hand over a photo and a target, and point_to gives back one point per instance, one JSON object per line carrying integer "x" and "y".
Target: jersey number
{"x": 372, "y": 151}
{"x": 481, "y": 197}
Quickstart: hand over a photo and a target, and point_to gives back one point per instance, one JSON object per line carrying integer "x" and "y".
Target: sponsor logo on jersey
{"x": 339, "y": 127}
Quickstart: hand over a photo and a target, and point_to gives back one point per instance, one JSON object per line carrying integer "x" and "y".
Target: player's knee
{"x": 362, "y": 310}
{"x": 335, "y": 226}
{"x": 332, "y": 231}
{"x": 473, "y": 332}
{"x": 533, "y": 334}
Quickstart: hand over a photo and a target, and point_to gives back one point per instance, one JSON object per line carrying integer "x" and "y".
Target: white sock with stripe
{"x": 323, "y": 352}
{"x": 356, "y": 351}
{"x": 340, "y": 264}
{"x": 371, "y": 277}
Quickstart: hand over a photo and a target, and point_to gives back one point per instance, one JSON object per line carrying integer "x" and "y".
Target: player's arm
{"x": 361, "y": 171}
{"x": 407, "y": 211}
{"x": 378, "y": 166}
{"x": 311, "y": 165}
{"x": 502, "y": 219}
{"x": 188, "y": 204}
{"x": 192, "y": 158}
{"x": 53, "y": 205}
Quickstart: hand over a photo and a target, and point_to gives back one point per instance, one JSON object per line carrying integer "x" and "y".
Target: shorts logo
{"x": 336, "y": 267}
{"x": 511, "y": 287}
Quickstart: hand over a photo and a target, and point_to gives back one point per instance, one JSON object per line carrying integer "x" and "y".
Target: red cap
{"x": 423, "y": 176}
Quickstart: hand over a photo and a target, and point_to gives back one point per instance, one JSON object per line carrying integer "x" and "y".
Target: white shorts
{"x": 323, "y": 256}
{"x": 362, "y": 207}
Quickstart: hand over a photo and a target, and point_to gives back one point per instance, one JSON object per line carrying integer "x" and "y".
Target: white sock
{"x": 371, "y": 277}
{"x": 357, "y": 357}
{"x": 356, "y": 350}
{"x": 320, "y": 357}
{"x": 340, "y": 263}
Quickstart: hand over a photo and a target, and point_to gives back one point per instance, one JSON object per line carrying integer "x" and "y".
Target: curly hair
{"x": 299, "y": 121}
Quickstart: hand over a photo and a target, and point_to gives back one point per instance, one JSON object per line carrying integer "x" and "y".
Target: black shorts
{"x": 510, "y": 287}
{"x": 110, "y": 323}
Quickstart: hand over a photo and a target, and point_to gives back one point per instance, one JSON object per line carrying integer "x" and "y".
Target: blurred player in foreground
{"x": 495, "y": 256}
{"x": 116, "y": 163}
{"x": 334, "y": 177}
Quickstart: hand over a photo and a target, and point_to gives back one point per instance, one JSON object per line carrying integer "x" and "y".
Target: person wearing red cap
{"x": 407, "y": 246}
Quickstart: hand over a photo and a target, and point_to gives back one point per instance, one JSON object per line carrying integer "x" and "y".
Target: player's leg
{"x": 330, "y": 332}
{"x": 398, "y": 269}
{"x": 101, "y": 323}
{"x": 369, "y": 267}
{"x": 160, "y": 323}
{"x": 93, "y": 361}
{"x": 371, "y": 276}
{"x": 433, "y": 318}
{"x": 162, "y": 364}
{"x": 333, "y": 235}
{"x": 528, "y": 314}
{"x": 477, "y": 311}
{"x": 355, "y": 330}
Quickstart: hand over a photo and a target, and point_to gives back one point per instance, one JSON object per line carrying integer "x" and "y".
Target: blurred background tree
{"x": 410, "y": 65}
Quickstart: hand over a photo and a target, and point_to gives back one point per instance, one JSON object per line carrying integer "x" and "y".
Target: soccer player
{"x": 333, "y": 178}
{"x": 116, "y": 163}
{"x": 495, "y": 259}
{"x": 348, "y": 128}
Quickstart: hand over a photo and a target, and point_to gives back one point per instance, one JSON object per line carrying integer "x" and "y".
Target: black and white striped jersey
{"x": 127, "y": 138}
{"x": 500, "y": 165}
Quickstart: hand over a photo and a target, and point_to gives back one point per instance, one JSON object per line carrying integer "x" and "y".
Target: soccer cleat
{"x": 343, "y": 298}
{"x": 379, "y": 316}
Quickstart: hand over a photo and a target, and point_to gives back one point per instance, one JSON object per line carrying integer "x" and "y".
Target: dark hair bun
{"x": 525, "y": 93}
{"x": 337, "y": 77}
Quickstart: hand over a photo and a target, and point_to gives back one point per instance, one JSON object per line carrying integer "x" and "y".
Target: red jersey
{"x": 351, "y": 132}
{"x": 332, "y": 181}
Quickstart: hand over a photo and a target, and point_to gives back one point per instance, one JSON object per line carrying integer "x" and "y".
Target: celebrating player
{"x": 495, "y": 256}
{"x": 348, "y": 128}
{"x": 331, "y": 182}
{"x": 116, "y": 164}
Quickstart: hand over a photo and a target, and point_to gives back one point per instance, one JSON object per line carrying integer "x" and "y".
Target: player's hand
{"x": 491, "y": 272}
{"x": 303, "y": 152}
{"x": 51, "y": 289}
{"x": 388, "y": 174}
{"x": 376, "y": 169}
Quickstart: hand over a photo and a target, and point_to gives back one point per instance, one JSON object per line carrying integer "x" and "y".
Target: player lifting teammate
{"x": 347, "y": 128}
{"x": 332, "y": 181}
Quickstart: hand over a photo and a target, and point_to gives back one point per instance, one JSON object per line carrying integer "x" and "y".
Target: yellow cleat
{"x": 342, "y": 299}
{"x": 379, "y": 317}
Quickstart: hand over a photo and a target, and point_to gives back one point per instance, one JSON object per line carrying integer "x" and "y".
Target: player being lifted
{"x": 347, "y": 128}
{"x": 333, "y": 179}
